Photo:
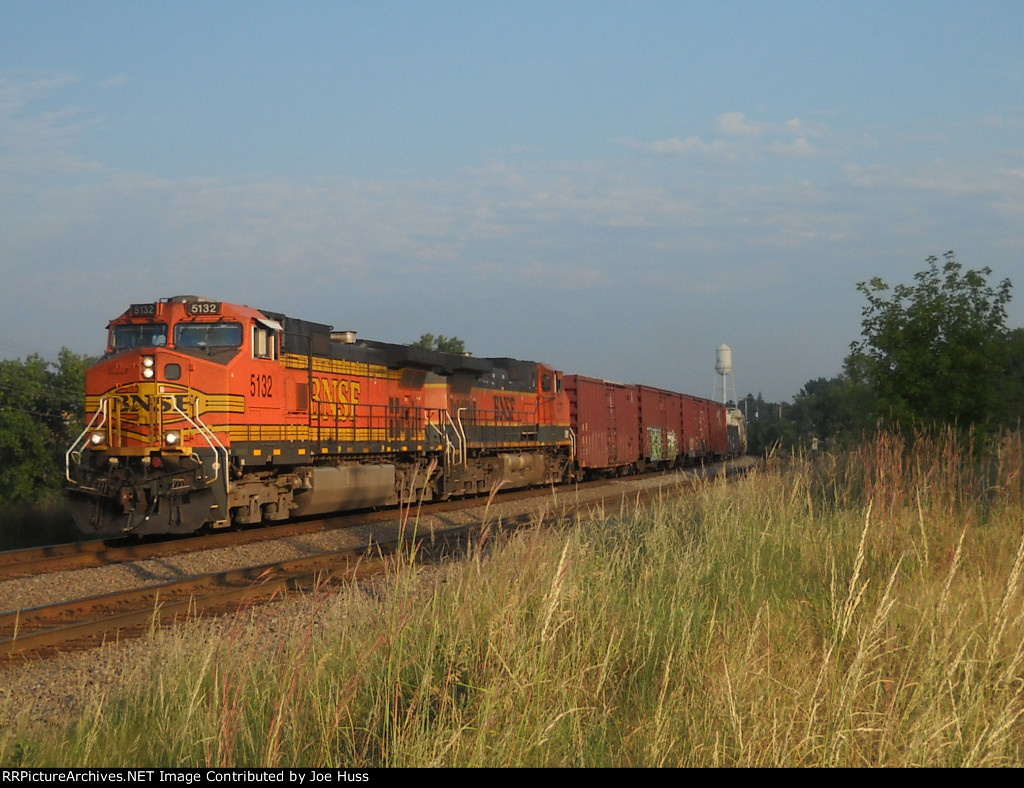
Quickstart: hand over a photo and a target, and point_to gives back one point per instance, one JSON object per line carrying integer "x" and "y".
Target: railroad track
{"x": 82, "y": 555}
{"x": 90, "y": 621}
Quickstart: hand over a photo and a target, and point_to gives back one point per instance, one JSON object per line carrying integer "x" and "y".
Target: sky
{"x": 614, "y": 188}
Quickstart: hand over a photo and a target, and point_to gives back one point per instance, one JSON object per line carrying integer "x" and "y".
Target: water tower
{"x": 723, "y": 366}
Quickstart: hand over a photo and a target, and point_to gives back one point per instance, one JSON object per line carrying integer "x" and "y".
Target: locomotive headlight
{"x": 96, "y": 438}
{"x": 172, "y": 438}
{"x": 148, "y": 367}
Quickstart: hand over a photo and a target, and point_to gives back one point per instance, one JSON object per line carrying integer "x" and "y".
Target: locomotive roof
{"x": 308, "y": 336}
{"x": 304, "y": 335}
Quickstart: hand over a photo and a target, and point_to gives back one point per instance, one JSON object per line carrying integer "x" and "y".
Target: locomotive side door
{"x": 265, "y": 385}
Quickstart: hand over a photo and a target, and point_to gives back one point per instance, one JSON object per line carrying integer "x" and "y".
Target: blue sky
{"x": 615, "y": 188}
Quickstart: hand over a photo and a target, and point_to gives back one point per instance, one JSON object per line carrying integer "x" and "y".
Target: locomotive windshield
{"x": 208, "y": 335}
{"x": 148, "y": 335}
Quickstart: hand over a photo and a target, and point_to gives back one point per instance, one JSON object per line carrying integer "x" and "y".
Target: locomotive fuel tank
{"x": 329, "y": 490}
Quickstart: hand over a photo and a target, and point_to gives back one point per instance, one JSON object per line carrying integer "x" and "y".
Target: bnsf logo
{"x": 505, "y": 407}
{"x": 137, "y": 403}
{"x": 336, "y": 399}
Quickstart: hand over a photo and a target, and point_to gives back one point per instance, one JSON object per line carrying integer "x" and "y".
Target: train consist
{"x": 208, "y": 414}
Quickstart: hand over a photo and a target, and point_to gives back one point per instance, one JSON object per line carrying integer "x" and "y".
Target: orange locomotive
{"x": 204, "y": 413}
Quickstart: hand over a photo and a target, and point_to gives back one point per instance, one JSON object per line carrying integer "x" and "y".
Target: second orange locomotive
{"x": 205, "y": 413}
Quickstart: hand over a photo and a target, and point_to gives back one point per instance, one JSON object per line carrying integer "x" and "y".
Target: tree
{"x": 934, "y": 351}
{"x": 441, "y": 343}
{"x": 833, "y": 409}
{"x": 1012, "y": 398}
{"x": 767, "y": 429}
{"x": 41, "y": 411}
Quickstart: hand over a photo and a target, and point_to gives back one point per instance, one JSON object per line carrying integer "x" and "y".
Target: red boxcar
{"x": 719, "y": 428}
{"x": 696, "y": 436}
{"x": 606, "y": 419}
{"x": 661, "y": 425}
{"x": 709, "y": 436}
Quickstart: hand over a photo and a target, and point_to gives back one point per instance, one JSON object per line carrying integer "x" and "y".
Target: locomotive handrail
{"x": 207, "y": 433}
{"x": 449, "y": 447}
{"x": 91, "y": 425}
{"x": 460, "y": 431}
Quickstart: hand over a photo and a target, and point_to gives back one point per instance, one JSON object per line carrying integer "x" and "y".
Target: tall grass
{"x": 860, "y": 610}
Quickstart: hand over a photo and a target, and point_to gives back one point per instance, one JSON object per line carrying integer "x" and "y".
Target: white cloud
{"x": 674, "y": 146}
{"x": 691, "y": 146}
{"x": 798, "y": 147}
{"x": 940, "y": 178}
{"x": 994, "y": 121}
{"x": 743, "y": 140}
{"x": 738, "y": 124}
{"x": 34, "y": 140}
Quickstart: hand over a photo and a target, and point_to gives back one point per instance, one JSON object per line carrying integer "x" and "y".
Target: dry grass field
{"x": 857, "y": 610}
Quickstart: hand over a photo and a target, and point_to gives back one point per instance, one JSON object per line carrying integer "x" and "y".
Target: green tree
{"x": 767, "y": 428}
{"x": 41, "y": 411}
{"x": 833, "y": 409}
{"x": 1012, "y": 397}
{"x": 934, "y": 351}
{"x": 441, "y": 343}
{"x": 69, "y": 385}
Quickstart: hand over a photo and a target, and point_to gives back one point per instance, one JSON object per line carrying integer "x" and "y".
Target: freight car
{"x": 625, "y": 428}
{"x": 203, "y": 413}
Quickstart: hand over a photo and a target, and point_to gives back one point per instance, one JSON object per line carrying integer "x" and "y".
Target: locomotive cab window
{"x": 147, "y": 335}
{"x": 264, "y": 342}
{"x": 208, "y": 335}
